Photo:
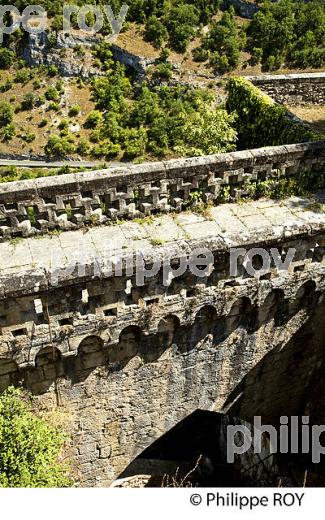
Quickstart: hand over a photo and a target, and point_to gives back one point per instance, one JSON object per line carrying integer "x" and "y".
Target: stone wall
{"x": 39, "y": 52}
{"x": 73, "y": 201}
{"x": 293, "y": 89}
{"x": 126, "y": 363}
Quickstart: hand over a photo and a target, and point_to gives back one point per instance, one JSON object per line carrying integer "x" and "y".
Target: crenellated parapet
{"x": 73, "y": 201}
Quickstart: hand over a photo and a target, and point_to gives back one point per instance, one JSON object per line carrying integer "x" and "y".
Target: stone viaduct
{"x": 123, "y": 361}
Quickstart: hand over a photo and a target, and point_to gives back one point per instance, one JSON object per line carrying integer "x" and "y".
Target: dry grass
{"x": 312, "y": 114}
{"x": 28, "y": 121}
{"x": 133, "y": 41}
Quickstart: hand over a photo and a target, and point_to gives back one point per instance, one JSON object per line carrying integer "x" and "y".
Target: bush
{"x": 94, "y": 118}
{"x": 6, "y": 86}
{"x": 83, "y": 147}
{"x": 52, "y": 71}
{"x": 200, "y": 54}
{"x": 259, "y": 121}
{"x": 58, "y": 146}
{"x": 29, "y": 137}
{"x": 52, "y": 94}
{"x": 7, "y": 57}
{"x": 22, "y": 76}
{"x": 155, "y": 31}
{"x": 74, "y": 110}
{"x": 163, "y": 71}
{"x": 8, "y": 132}
{"x": 257, "y": 55}
{"x": 29, "y": 447}
{"x": 225, "y": 43}
{"x": 29, "y": 101}
{"x": 54, "y": 106}
{"x": 181, "y": 22}
{"x": 290, "y": 32}
{"x": 6, "y": 113}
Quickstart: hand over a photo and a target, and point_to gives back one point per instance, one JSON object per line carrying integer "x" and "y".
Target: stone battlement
{"x": 44, "y": 281}
{"x": 293, "y": 89}
{"x": 73, "y": 201}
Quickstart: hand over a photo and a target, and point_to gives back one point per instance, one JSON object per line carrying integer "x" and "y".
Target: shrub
{"x": 54, "y": 106}
{"x": 260, "y": 122}
{"x": 29, "y": 447}
{"x": 52, "y": 94}
{"x": 6, "y": 113}
{"x": 7, "y": 58}
{"x": 52, "y": 71}
{"x": 83, "y": 147}
{"x": 8, "y": 132}
{"x": 181, "y": 22}
{"x": 155, "y": 31}
{"x": 36, "y": 83}
{"x": 29, "y": 101}
{"x": 29, "y": 137}
{"x": 43, "y": 123}
{"x": 163, "y": 71}
{"x": 7, "y": 85}
{"x": 257, "y": 55}
{"x": 59, "y": 146}
{"x": 94, "y": 118}
{"x": 225, "y": 41}
{"x": 22, "y": 76}
{"x": 74, "y": 110}
{"x": 63, "y": 125}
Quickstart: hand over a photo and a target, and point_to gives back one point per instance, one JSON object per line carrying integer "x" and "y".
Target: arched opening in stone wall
{"x": 91, "y": 354}
{"x": 208, "y": 328}
{"x": 305, "y": 297}
{"x": 48, "y": 368}
{"x": 128, "y": 345}
{"x": 274, "y": 308}
{"x": 9, "y": 374}
{"x": 242, "y": 314}
{"x": 166, "y": 337}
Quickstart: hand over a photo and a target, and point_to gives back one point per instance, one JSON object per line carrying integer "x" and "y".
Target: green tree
{"x": 208, "y": 132}
{"x": 225, "y": 41}
{"x": 181, "y": 22}
{"x": 7, "y": 58}
{"x": 60, "y": 146}
{"x": 30, "y": 448}
{"x": 6, "y": 113}
{"x": 156, "y": 31}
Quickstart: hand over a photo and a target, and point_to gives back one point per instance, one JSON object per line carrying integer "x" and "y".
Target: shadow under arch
{"x": 128, "y": 346}
{"x": 195, "y": 449}
{"x": 168, "y": 334}
{"x": 90, "y": 355}
{"x": 277, "y": 385}
{"x": 241, "y": 314}
{"x": 48, "y": 368}
{"x": 9, "y": 374}
{"x": 274, "y": 307}
{"x": 208, "y": 325}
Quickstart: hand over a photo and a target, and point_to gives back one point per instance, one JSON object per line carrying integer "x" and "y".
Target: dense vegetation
{"x": 223, "y": 44}
{"x": 290, "y": 32}
{"x": 29, "y": 447}
{"x": 283, "y": 33}
{"x": 126, "y": 120}
{"x": 136, "y": 121}
{"x": 260, "y": 122}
